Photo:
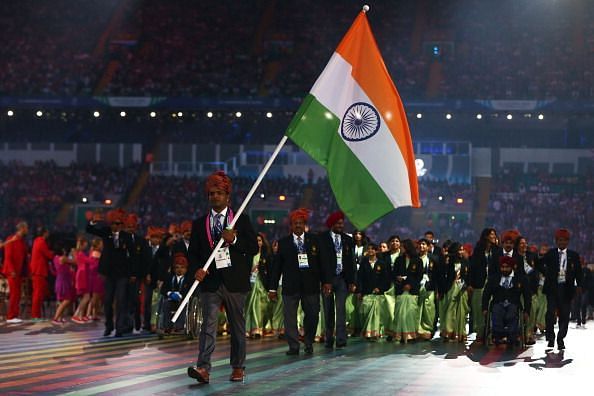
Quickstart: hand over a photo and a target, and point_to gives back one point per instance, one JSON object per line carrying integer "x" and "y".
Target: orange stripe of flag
{"x": 359, "y": 48}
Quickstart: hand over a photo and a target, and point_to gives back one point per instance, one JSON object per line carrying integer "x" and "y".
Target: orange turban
{"x": 173, "y": 228}
{"x": 116, "y": 215}
{"x": 180, "y": 259}
{"x": 334, "y": 218}
{"x": 186, "y": 226}
{"x": 131, "y": 220}
{"x": 300, "y": 213}
{"x": 155, "y": 232}
{"x": 562, "y": 233}
{"x": 220, "y": 180}
{"x": 510, "y": 235}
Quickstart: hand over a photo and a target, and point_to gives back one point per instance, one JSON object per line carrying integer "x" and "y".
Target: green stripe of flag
{"x": 315, "y": 130}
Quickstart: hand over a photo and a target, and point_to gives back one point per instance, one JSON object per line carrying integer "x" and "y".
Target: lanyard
{"x": 208, "y": 228}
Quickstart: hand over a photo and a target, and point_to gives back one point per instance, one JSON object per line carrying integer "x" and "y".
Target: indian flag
{"x": 353, "y": 123}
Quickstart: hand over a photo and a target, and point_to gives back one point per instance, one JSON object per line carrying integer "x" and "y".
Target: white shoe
{"x": 14, "y": 321}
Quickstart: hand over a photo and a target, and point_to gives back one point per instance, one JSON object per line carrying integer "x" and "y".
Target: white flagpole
{"x": 230, "y": 226}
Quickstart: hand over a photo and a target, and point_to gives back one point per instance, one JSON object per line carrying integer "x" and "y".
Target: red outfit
{"x": 40, "y": 256}
{"x": 15, "y": 256}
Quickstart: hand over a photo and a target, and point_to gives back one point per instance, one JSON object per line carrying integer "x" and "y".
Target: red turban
{"x": 300, "y": 213}
{"x": 173, "y": 228}
{"x": 562, "y": 233}
{"x": 507, "y": 260}
{"x": 219, "y": 180}
{"x": 116, "y": 215}
{"x": 468, "y": 248}
{"x": 510, "y": 235}
{"x": 131, "y": 220}
{"x": 180, "y": 259}
{"x": 186, "y": 226}
{"x": 334, "y": 218}
{"x": 155, "y": 232}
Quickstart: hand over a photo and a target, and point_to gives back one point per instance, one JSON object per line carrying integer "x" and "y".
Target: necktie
{"x": 338, "y": 248}
{"x": 300, "y": 247}
{"x": 217, "y": 227}
{"x": 116, "y": 241}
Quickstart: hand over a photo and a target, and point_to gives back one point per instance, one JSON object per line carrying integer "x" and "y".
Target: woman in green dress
{"x": 426, "y": 293}
{"x": 407, "y": 276}
{"x": 258, "y": 311}
{"x": 456, "y": 297}
{"x": 373, "y": 280}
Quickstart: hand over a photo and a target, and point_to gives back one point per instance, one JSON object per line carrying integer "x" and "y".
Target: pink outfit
{"x": 95, "y": 280}
{"x": 64, "y": 281}
{"x": 81, "y": 279}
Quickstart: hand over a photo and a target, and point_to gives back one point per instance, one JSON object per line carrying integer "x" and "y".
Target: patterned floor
{"x": 75, "y": 359}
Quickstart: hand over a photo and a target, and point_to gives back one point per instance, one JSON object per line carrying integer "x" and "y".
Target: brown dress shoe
{"x": 237, "y": 375}
{"x": 199, "y": 374}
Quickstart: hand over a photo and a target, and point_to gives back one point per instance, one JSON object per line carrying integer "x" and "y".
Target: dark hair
{"x": 409, "y": 248}
{"x": 481, "y": 245}
{"x": 392, "y": 237}
{"x": 453, "y": 251}
{"x": 265, "y": 244}
{"x": 372, "y": 245}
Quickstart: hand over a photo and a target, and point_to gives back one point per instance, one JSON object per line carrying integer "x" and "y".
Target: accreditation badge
{"x": 223, "y": 258}
{"x": 302, "y": 260}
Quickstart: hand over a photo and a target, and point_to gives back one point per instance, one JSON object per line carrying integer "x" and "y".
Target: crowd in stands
{"x": 252, "y": 49}
{"x": 534, "y": 204}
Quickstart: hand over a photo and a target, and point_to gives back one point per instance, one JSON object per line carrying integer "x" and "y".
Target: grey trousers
{"x": 310, "y": 303}
{"x": 335, "y": 304}
{"x": 234, "y": 304}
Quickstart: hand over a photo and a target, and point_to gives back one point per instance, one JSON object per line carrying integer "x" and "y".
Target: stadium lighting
{"x": 122, "y": 114}
{"x": 238, "y": 114}
{"x": 440, "y": 198}
{"x": 479, "y": 116}
{"x": 262, "y": 195}
{"x": 448, "y": 116}
{"x": 269, "y": 115}
{"x": 84, "y": 200}
{"x": 269, "y": 221}
{"x": 180, "y": 114}
{"x": 152, "y": 114}
{"x": 39, "y": 113}
{"x": 541, "y": 116}
{"x": 459, "y": 201}
{"x": 282, "y": 198}
{"x": 509, "y": 117}
{"x": 107, "y": 201}
{"x": 96, "y": 114}
{"x": 453, "y": 217}
{"x": 209, "y": 114}
{"x": 419, "y": 116}
{"x": 10, "y": 113}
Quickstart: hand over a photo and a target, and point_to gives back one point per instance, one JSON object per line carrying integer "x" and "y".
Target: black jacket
{"x": 369, "y": 278}
{"x": 549, "y": 266}
{"x": 329, "y": 253}
{"x": 480, "y": 263}
{"x": 298, "y": 280}
{"x": 519, "y": 287}
{"x": 413, "y": 273}
{"x": 235, "y": 278}
{"x": 115, "y": 261}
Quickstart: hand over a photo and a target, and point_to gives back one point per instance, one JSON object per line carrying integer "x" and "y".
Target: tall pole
{"x": 230, "y": 226}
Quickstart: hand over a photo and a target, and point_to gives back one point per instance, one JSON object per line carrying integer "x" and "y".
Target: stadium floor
{"x": 75, "y": 359}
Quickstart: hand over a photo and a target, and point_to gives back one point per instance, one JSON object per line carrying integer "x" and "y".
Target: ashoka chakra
{"x": 361, "y": 121}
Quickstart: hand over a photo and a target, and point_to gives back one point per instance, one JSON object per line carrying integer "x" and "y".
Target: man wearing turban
{"x": 339, "y": 263}
{"x": 562, "y": 270}
{"x": 299, "y": 262}
{"x": 227, "y": 281}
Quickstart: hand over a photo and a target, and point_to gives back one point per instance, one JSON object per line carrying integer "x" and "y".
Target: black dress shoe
{"x": 560, "y": 345}
{"x": 341, "y": 345}
{"x": 309, "y": 350}
{"x": 292, "y": 352}
{"x": 118, "y": 334}
{"x": 107, "y": 332}
{"x": 551, "y": 344}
